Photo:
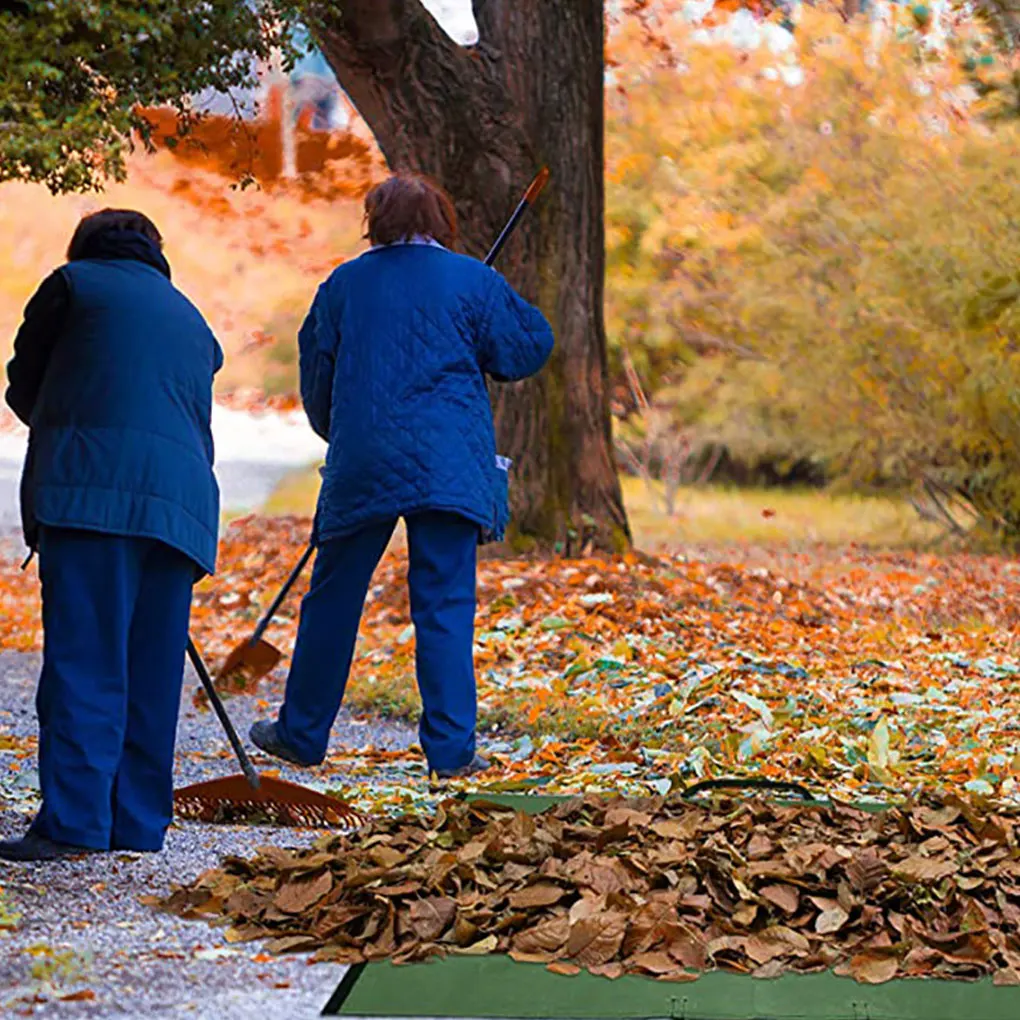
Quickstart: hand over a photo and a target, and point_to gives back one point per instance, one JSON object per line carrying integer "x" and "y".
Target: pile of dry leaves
{"x": 647, "y": 886}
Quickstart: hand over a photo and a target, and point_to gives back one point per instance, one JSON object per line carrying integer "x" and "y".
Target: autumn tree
{"x": 75, "y": 74}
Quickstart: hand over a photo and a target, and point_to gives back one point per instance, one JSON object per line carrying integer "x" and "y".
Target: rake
{"x": 250, "y": 798}
{"x": 255, "y": 657}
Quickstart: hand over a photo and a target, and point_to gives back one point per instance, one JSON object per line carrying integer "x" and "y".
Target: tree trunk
{"x": 481, "y": 121}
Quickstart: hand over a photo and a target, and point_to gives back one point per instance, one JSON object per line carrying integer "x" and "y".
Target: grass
{"x": 709, "y": 515}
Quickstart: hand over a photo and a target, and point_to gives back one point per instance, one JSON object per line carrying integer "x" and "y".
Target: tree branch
{"x": 379, "y": 35}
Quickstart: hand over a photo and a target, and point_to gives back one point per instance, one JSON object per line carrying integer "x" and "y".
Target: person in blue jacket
{"x": 394, "y": 356}
{"x": 113, "y": 371}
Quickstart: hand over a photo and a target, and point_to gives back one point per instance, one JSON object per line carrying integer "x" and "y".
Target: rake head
{"x": 248, "y": 663}
{"x": 276, "y": 802}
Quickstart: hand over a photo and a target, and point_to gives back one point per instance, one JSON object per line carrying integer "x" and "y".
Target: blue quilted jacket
{"x": 394, "y": 355}
{"x": 113, "y": 372}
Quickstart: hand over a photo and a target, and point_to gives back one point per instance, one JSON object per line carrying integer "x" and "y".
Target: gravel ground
{"x": 82, "y": 928}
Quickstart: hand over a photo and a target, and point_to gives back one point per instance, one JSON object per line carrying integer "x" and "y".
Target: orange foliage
{"x": 330, "y": 164}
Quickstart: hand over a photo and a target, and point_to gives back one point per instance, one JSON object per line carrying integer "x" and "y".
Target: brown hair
{"x": 111, "y": 219}
{"x": 407, "y": 205}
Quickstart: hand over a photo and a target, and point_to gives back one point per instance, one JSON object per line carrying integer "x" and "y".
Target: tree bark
{"x": 481, "y": 121}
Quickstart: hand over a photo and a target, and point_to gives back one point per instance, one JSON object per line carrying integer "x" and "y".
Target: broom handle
{"x": 267, "y": 617}
{"x": 535, "y": 189}
{"x": 217, "y": 703}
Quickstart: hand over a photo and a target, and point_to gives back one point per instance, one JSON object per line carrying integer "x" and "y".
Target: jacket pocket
{"x": 501, "y": 502}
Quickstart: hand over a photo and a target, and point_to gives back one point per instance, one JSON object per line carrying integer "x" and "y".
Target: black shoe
{"x": 265, "y": 735}
{"x": 33, "y": 847}
{"x": 477, "y": 764}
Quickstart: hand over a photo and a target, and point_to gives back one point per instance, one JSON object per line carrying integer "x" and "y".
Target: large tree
{"x": 480, "y": 119}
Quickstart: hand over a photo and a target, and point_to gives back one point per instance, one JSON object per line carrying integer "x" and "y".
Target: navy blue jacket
{"x": 112, "y": 372}
{"x": 394, "y": 355}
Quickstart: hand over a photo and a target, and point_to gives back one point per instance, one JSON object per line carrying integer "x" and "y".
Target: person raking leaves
{"x": 113, "y": 373}
{"x": 394, "y": 356}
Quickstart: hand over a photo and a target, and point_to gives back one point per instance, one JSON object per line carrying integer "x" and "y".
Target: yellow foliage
{"x": 831, "y": 268}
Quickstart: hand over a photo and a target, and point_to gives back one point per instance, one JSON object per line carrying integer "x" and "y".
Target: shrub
{"x": 829, "y": 271}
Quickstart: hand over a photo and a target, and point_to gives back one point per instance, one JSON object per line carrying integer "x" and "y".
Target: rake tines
{"x": 275, "y": 802}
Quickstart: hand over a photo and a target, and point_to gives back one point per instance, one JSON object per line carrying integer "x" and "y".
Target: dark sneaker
{"x": 33, "y": 847}
{"x": 476, "y": 765}
{"x": 265, "y": 735}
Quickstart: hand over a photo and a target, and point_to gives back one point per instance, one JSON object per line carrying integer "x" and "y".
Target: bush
{"x": 830, "y": 272}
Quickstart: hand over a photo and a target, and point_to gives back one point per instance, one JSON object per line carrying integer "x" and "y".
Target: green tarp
{"x": 496, "y": 986}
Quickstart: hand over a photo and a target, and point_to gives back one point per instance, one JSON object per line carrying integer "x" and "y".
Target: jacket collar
{"x": 114, "y": 245}
{"x": 419, "y": 239}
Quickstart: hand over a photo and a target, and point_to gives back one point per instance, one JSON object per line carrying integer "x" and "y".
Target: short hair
{"x": 110, "y": 219}
{"x": 407, "y": 205}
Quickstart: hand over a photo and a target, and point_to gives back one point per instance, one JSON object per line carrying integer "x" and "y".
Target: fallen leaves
{"x": 854, "y": 673}
{"x": 750, "y": 887}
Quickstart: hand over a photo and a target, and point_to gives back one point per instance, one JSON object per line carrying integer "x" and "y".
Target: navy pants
{"x": 442, "y": 552}
{"x": 115, "y": 630}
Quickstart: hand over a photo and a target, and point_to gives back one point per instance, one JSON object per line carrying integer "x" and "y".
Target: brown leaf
{"x": 608, "y": 970}
{"x": 759, "y": 846}
{"x": 627, "y": 816}
{"x": 676, "y": 828}
{"x": 830, "y": 921}
{"x": 962, "y": 947}
{"x": 85, "y": 995}
{"x": 652, "y": 963}
{"x": 600, "y": 874}
{"x": 400, "y": 889}
{"x": 689, "y": 950}
{"x": 872, "y": 969}
{"x": 745, "y": 915}
{"x": 566, "y": 969}
{"x": 296, "y": 896}
{"x": 246, "y": 933}
{"x": 431, "y": 917}
{"x": 465, "y": 932}
{"x": 866, "y": 871}
{"x": 386, "y": 856}
{"x": 548, "y": 937}
{"x": 770, "y": 970}
{"x": 519, "y": 957}
{"x": 785, "y": 897}
{"x": 596, "y": 939}
{"x": 652, "y": 924}
{"x": 762, "y": 950}
{"x": 792, "y": 938}
{"x": 923, "y": 870}
{"x": 292, "y": 944}
{"x": 543, "y": 894}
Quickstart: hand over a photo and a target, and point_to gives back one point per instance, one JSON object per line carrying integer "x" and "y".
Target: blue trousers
{"x": 442, "y": 553}
{"x": 115, "y": 631}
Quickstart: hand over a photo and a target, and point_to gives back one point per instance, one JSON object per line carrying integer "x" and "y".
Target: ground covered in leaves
{"x": 856, "y": 673}
{"x": 652, "y": 886}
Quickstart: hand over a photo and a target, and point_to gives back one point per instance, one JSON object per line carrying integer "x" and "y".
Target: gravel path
{"x": 82, "y": 928}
